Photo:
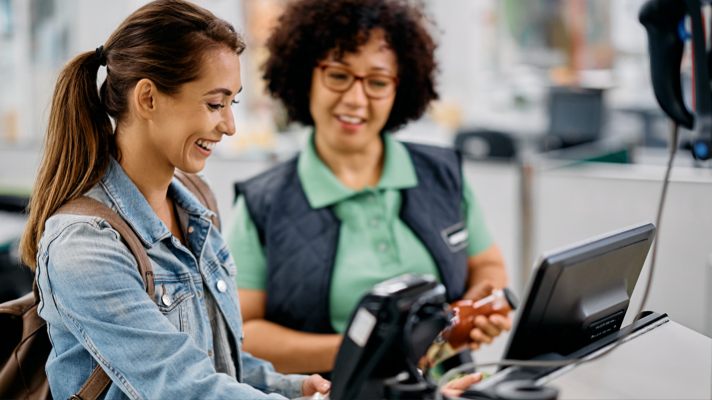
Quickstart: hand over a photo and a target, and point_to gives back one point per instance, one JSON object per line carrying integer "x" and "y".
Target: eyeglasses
{"x": 376, "y": 86}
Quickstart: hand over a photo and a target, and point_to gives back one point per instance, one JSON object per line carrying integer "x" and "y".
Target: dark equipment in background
{"x": 665, "y": 22}
{"x": 575, "y": 117}
{"x": 392, "y": 328}
{"x": 485, "y": 145}
{"x": 14, "y": 203}
{"x": 15, "y": 277}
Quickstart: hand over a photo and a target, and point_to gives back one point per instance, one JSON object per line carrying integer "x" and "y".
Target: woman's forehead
{"x": 375, "y": 53}
{"x": 221, "y": 69}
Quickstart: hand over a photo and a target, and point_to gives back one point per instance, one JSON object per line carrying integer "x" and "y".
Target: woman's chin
{"x": 353, "y": 142}
{"x": 192, "y": 166}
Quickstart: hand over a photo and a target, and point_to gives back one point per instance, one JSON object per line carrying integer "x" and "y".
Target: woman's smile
{"x": 205, "y": 147}
{"x": 351, "y": 123}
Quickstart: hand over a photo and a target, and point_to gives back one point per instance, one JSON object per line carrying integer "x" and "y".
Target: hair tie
{"x": 100, "y": 55}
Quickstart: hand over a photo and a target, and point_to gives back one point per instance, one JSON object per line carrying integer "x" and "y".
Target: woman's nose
{"x": 227, "y": 122}
{"x": 356, "y": 95}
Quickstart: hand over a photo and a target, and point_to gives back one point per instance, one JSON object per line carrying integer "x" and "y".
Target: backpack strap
{"x": 90, "y": 207}
{"x": 98, "y": 380}
{"x": 94, "y": 386}
{"x": 201, "y": 190}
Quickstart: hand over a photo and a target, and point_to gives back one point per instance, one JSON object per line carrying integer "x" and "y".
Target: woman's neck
{"x": 151, "y": 174}
{"x": 355, "y": 169}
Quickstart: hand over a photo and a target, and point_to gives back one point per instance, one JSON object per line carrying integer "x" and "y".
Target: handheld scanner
{"x": 664, "y": 22}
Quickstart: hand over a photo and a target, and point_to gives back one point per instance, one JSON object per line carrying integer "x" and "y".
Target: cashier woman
{"x": 356, "y": 206}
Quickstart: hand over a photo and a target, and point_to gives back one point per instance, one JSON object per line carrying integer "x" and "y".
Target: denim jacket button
{"x": 222, "y": 286}
{"x": 167, "y": 301}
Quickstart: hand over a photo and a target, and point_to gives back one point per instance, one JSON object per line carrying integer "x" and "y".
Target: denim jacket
{"x": 98, "y": 312}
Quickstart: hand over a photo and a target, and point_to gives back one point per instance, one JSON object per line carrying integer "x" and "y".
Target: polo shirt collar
{"x": 323, "y": 188}
{"x": 136, "y": 211}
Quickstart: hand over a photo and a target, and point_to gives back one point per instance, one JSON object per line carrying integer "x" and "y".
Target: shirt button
{"x": 210, "y": 353}
{"x": 167, "y": 301}
{"x": 370, "y": 198}
{"x": 382, "y": 247}
{"x": 191, "y": 229}
{"x": 374, "y": 222}
{"x": 222, "y": 286}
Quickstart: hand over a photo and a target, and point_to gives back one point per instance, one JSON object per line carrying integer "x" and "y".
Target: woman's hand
{"x": 315, "y": 383}
{"x": 486, "y": 328}
{"x": 456, "y": 387}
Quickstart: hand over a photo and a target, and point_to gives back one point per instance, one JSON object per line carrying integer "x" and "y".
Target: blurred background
{"x": 550, "y": 102}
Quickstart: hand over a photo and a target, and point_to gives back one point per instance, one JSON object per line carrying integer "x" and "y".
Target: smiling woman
{"x": 352, "y": 96}
{"x": 168, "y": 127}
{"x": 172, "y": 70}
{"x": 356, "y": 207}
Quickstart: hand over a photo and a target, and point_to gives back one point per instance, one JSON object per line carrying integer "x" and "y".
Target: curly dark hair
{"x": 309, "y": 29}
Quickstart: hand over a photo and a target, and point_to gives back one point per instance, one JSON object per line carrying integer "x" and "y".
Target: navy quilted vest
{"x": 300, "y": 242}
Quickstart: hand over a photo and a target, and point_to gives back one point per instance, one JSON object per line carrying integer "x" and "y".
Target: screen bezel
{"x": 551, "y": 265}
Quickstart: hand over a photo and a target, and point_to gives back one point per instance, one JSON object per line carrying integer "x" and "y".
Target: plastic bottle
{"x": 501, "y": 301}
{"x": 457, "y": 335}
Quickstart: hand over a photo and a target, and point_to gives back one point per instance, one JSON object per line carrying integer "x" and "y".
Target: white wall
{"x": 221, "y": 174}
{"x": 579, "y": 202}
{"x": 497, "y": 187}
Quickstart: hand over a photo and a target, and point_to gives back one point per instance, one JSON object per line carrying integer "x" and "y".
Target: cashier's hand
{"x": 486, "y": 328}
{"x": 456, "y": 387}
{"x": 315, "y": 383}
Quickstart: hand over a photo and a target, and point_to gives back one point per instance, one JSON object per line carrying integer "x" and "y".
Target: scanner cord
{"x": 628, "y": 330}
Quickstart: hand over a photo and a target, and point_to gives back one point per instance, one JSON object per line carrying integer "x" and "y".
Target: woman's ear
{"x": 143, "y": 95}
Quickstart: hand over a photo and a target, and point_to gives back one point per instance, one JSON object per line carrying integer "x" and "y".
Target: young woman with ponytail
{"x": 172, "y": 72}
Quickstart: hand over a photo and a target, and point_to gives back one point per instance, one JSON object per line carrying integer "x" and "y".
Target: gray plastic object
{"x": 525, "y": 390}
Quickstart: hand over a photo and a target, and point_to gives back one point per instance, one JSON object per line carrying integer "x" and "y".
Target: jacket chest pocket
{"x": 229, "y": 267}
{"x": 173, "y": 300}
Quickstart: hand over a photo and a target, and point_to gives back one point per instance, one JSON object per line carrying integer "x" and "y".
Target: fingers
{"x": 456, "y": 387}
{"x": 478, "y": 336}
{"x": 502, "y": 322}
{"x": 322, "y": 385}
{"x": 486, "y": 329}
{"x": 486, "y": 325}
{"x": 479, "y": 291}
{"x": 315, "y": 383}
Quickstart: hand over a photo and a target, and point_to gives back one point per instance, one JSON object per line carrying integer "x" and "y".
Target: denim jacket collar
{"x": 136, "y": 211}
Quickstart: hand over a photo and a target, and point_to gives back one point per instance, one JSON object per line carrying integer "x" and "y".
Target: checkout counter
{"x": 573, "y": 309}
{"x": 669, "y": 361}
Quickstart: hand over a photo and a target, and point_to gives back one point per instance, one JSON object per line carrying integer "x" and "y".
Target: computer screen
{"x": 576, "y": 115}
{"x": 579, "y": 294}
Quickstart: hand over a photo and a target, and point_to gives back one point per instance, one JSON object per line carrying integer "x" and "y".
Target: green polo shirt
{"x": 374, "y": 244}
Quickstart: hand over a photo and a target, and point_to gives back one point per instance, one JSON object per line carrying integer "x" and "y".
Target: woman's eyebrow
{"x": 224, "y": 91}
{"x": 372, "y": 68}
